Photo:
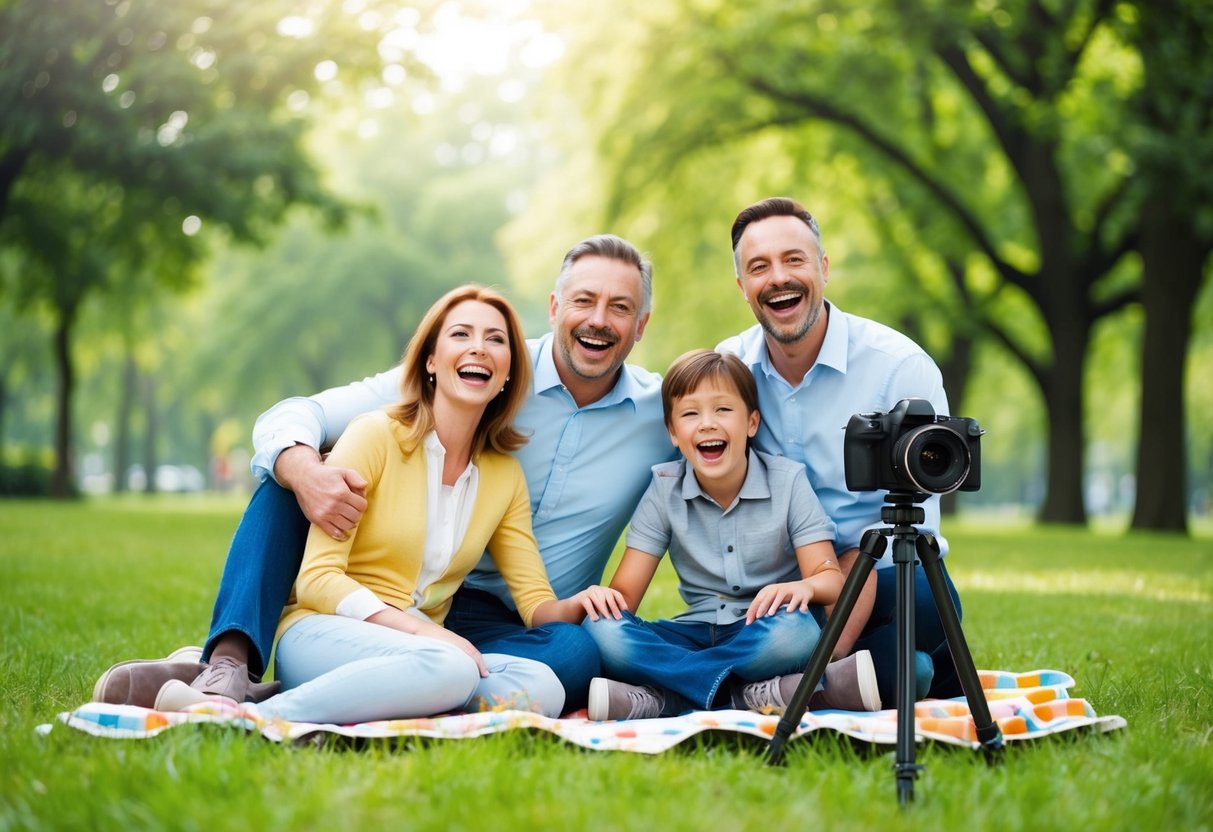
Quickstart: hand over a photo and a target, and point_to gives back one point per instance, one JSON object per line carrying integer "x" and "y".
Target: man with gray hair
{"x": 595, "y": 427}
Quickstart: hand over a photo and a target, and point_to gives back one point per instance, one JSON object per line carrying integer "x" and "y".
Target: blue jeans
{"x": 483, "y": 619}
{"x": 936, "y": 678}
{"x": 263, "y": 562}
{"x": 342, "y": 670}
{"x": 693, "y": 659}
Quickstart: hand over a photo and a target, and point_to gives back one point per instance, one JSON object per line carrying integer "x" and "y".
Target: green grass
{"x": 88, "y": 584}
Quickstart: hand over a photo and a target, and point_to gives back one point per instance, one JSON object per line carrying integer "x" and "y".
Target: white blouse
{"x": 447, "y": 514}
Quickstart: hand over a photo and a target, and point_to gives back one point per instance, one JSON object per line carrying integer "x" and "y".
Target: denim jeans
{"x": 263, "y": 562}
{"x": 342, "y": 670}
{"x": 693, "y": 659}
{"x": 484, "y": 620}
{"x": 936, "y": 678}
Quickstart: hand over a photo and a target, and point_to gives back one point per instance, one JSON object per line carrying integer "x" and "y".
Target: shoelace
{"x": 646, "y": 703}
{"x": 764, "y": 694}
{"x": 217, "y": 674}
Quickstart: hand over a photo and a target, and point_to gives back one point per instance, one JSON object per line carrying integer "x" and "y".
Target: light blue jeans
{"x": 340, "y": 670}
{"x": 692, "y": 659}
{"x": 264, "y": 559}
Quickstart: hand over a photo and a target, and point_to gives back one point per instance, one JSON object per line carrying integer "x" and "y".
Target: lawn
{"x": 90, "y": 583}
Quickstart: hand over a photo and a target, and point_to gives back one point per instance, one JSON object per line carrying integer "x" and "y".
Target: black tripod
{"x": 902, "y": 514}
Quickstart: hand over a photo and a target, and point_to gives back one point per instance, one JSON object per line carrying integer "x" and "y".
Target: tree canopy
{"x": 125, "y": 127}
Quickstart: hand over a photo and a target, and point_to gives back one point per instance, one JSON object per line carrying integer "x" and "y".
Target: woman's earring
{"x": 431, "y": 378}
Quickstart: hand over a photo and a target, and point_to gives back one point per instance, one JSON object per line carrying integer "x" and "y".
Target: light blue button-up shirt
{"x": 586, "y": 468}
{"x": 863, "y": 366}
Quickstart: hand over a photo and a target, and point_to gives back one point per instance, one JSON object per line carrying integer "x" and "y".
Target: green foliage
{"x": 96, "y": 582}
{"x": 313, "y": 310}
{"x": 124, "y": 127}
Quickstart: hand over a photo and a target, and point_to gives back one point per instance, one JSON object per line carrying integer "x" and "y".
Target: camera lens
{"x": 932, "y": 458}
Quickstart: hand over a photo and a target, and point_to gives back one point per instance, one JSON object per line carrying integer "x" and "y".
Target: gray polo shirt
{"x": 724, "y": 556}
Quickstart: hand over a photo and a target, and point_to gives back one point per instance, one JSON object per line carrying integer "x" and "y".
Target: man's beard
{"x": 793, "y": 336}
{"x": 572, "y": 358}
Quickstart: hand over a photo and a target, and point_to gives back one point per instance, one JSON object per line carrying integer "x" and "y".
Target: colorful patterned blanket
{"x": 1025, "y": 706}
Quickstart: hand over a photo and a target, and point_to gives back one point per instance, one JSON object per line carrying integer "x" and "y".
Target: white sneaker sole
{"x": 177, "y": 696}
{"x": 865, "y": 672}
{"x": 599, "y": 704}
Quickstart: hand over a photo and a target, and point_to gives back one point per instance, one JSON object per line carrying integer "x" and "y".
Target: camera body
{"x": 911, "y": 449}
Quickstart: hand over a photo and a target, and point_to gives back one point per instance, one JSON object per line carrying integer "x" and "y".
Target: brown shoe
{"x": 138, "y": 682}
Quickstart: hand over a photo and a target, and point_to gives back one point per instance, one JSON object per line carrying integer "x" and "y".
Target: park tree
{"x": 1002, "y": 131}
{"x": 1172, "y": 131}
{"x": 129, "y": 129}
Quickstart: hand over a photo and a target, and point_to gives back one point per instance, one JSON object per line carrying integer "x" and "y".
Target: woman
{"x": 362, "y": 637}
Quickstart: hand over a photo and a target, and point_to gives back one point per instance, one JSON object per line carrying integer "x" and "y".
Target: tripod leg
{"x": 988, "y": 733}
{"x": 905, "y": 767}
{"x": 871, "y": 548}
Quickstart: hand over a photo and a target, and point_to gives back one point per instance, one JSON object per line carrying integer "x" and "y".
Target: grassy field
{"x": 87, "y": 584}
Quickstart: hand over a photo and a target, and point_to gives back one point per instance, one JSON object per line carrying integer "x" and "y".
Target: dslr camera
{"x": 911, "y": 449}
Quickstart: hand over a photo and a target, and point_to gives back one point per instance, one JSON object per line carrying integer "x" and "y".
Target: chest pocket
{"x": 767, "y": 555}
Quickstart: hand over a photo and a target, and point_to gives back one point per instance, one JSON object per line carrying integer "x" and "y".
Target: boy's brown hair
{"x": 691, "y": 369}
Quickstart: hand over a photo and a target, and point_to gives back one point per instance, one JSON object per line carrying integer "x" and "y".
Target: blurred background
{"x": 208, "y": 205}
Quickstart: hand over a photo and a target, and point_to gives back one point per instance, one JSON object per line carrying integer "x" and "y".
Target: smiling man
{"x": 596, "y": 429}
{"x": 816, "y": 365}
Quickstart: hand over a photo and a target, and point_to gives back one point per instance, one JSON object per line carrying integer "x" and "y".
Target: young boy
{"x": 754, "y": 554}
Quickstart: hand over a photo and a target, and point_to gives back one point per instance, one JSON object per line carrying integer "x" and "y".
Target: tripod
{"x": 901, "y": 514}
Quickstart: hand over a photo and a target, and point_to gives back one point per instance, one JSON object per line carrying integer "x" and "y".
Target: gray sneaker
{"x": 850, "y": 685}
{"x": 224, "y": 678}
{"x": 770, "y": 696}
{"x": 615, "y": 700}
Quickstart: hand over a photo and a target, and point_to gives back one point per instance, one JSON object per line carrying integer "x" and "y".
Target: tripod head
{"x": 902, "y": 509}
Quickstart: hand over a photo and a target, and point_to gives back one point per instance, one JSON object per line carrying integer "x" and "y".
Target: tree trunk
{"x": 3, "y": 415}
{"x": 1063, "y": 502}
{"x": 1173, "y": 260}
{"x": 61, "y": 478}
{"x": 122, "y": 423}
{"x": 151, "y": 429}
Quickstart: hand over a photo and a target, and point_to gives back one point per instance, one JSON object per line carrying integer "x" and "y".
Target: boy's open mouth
{"x": 712, "y": 449}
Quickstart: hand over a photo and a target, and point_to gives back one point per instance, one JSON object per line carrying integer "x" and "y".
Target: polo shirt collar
{"x": 755, "y": 487}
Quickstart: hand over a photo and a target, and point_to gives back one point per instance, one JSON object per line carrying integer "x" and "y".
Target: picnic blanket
{"x": 1025, "y": 706}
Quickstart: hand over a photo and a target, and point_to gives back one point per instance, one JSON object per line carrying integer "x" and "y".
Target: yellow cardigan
{"x": 384, "y": 552}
